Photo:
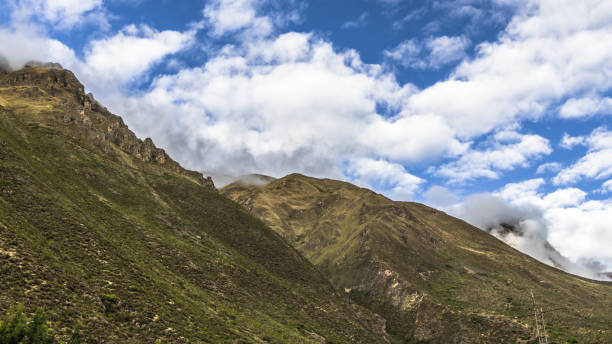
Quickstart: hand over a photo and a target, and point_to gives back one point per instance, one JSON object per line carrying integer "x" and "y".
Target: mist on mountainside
{"x": 222, "y": 180}
{"x": 522, "y": 228}
{"x": 5, "y": 67}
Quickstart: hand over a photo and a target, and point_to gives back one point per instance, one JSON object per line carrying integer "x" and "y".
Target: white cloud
{"x": 228, "y": 16}
{"x": 549, "y": 167}
{"x": 410, "y": 138}
{"x": 279, "y": 106}
{"x": 510, "y": 150}
{"x": 596, "y": 164}
{"x": 434, "y": 52}
{"x": 444, "y": 49}
{"x": 586, "y": 106}
{"x": 577, "y": 227}
{"x": 555, "y": 50}
{"x": 380, "y": 174}
{"x": 606, "y": 187}
{"x": 61, "y": 14}
{"x": 131, "y": 51}
{"x": 523, "y": 190}
{"x": 569, "y": 142}
{"x": 561, "y": 228}
{"x": 582, "y": 231}
{"x": 439, "y": 196}
{"x": 407, "y": 53}
{"x": 520, "y": 227}
{"x": 28, "y": 45}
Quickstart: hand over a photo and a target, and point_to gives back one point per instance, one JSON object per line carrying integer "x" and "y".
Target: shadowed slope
{"x": 100, "y": 227}
{"x": 433, "y": 277}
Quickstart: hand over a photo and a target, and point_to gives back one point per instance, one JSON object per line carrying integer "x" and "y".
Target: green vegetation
{"x": 100, "y": 228}
{"x": 16, "y": 328}
{"x": 434, "y": 278}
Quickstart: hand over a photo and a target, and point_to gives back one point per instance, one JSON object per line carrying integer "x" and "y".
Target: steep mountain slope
{"x": 99, "y": 227}
{"x": 434, "y": 278}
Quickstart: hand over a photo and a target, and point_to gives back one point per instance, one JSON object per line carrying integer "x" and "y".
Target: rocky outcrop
{"x": 79, "y": 115}
{"x": 382, "y": 289}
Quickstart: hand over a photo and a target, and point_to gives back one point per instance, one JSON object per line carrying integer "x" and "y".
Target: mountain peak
{"x": 427, "y": 273}
{"x": 51, "y": 78}
{"x": 52, "y": 96}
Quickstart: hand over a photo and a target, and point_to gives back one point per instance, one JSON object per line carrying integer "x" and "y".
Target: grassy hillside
{"x": 434, "y": 278}
{"x": 99, "y": 227}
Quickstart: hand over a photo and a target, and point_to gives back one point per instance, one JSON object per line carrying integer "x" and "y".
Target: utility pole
{"x": 540, "y": 326}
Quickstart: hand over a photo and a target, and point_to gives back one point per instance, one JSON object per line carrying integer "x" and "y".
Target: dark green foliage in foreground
{"x": 16, "y": 328}
{"x": 13, "y": 327}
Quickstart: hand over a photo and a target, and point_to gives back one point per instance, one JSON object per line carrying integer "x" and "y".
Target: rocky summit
{"x": 53, "y": 97}
{"x": 432, "y": 277}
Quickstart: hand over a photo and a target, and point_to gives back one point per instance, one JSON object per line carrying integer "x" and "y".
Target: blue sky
{"x": 439, "y": 102}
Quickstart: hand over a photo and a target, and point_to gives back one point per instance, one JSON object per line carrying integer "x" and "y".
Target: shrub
{"x": 37, "y": 331}
{"x": 12, "y": 330}
{"x": 16, "y": 329}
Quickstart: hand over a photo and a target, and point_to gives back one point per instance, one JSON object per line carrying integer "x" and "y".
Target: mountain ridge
{"x": 432, "y": 277}
{"x": 80, "y": 115}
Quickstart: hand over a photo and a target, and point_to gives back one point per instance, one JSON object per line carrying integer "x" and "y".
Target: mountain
{"x": 434, "y": 278}
{"x": 102, "y": 228}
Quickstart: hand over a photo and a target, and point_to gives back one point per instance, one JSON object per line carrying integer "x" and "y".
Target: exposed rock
{"x": 82, "y": 117}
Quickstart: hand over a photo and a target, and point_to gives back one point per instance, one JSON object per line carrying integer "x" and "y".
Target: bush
{"x": 16, "y": 329}
{"x": 75, "y": 337}
{"x": 12, "y": 330}
{"x": 37, "y": 331}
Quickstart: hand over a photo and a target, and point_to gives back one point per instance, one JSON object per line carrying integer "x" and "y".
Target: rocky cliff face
{"x": 60, "y": 102}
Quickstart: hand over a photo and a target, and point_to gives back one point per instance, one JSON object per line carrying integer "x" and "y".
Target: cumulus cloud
{"x": 538, "y": 60}
{"x": 439, "y": 196}
{"x": 509, "y": 151}
{"x": 434, "y": 52}
{"x": 132, "y": 51}
{"x": 380, "y": 174}
{"x": 27, "y": 45}
{"x": 278, "y": 109}
{"x": 226, "y": 16}
{"x": 596, "y": 164}
{"x": 576, "y": 226}
{"x": 586, "y": 106}
{"x": 62, "y": 14}
{"x": 232, "y": 16}
{"x": 569, "y": 142}
{"x": 606, "y": 187}
{"x": 549, "y": 167}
